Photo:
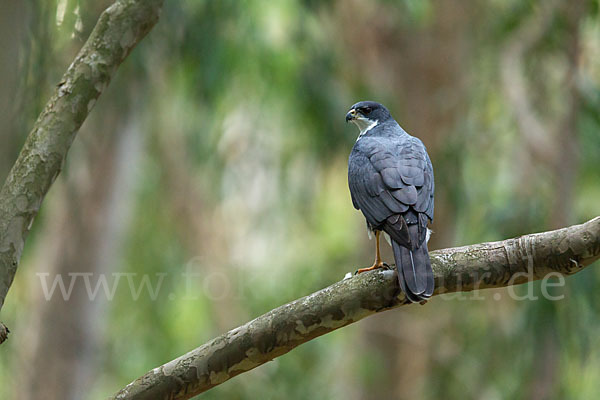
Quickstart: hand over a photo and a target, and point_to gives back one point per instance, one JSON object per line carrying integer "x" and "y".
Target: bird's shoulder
{"x": 380, "y": 137}
{"x": 390, "y": 148}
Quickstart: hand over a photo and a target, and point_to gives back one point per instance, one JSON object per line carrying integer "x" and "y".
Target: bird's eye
{"x": 366, "y": 110}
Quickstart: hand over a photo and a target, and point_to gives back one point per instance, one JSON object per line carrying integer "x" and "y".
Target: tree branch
{"x": 119, "y": 29}
{"x": 536, "y": 133}
{"x": 488, "y": 265}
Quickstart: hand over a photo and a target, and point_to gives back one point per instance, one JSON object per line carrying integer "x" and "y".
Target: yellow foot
{"x": 380, "y": 264}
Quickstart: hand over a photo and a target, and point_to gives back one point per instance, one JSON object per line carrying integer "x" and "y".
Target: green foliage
{"x": 242, "y": 103}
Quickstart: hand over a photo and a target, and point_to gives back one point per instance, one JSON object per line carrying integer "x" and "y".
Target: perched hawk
{"x": 391, "y": 182}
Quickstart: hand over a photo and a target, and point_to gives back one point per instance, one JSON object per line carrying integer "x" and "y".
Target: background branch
{"x": 536, "y": 133}
{"x": 550, "y": 137}
{"x": 119, "y": 29}
{"x": 487, "y": 265}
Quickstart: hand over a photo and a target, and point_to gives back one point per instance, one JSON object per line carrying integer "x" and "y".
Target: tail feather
{"x": 415, "y": 274}
{"x": 430, "y": 281}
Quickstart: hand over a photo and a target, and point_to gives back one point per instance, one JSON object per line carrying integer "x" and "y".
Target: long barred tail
{"x": 414, "y": 268}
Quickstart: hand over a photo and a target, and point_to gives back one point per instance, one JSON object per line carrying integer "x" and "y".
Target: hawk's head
{"x": 367, "y": 114}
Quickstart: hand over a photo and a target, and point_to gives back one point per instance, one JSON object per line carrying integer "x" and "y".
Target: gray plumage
{"x": 391, "y": 181}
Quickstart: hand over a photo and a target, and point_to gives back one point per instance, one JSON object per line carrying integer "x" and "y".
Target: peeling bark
{"x": 462, "y": 269}
{"x": 119, "y": 29}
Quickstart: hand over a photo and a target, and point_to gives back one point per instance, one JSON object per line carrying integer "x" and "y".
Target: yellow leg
{"x": 378, "y": 263}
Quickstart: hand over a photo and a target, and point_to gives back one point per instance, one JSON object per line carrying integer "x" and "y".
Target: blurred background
{"x": 214, "y": 169}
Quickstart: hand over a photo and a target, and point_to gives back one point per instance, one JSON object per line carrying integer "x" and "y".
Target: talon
{"x": 371, "y": 268}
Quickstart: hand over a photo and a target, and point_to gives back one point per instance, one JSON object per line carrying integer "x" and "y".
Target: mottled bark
{"x": 119, "y": 29}
{"x": 488, "y": 265}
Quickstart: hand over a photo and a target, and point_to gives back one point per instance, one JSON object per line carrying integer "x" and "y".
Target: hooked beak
{"x": 351, "y": 115}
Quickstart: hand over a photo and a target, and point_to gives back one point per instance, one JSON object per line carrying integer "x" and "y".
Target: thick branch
{"x": 119, "y": 29}
{"x": 273, "y": 334}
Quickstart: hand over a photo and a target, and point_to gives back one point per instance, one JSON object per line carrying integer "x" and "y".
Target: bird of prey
{"x": 391, "y": 181}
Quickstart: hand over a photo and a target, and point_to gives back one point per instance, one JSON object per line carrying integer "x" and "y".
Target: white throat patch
{"x": 364, "y": 124}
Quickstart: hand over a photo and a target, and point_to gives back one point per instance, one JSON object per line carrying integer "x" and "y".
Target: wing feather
{"x": 388, "y": 178}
